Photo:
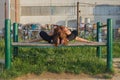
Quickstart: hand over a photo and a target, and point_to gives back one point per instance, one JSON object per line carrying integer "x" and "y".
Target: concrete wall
{"x": 2, "y": 15}
{"x": 60, "y": 19}
{"x": 46, "y": 2}
{"x": 87, "y": 8}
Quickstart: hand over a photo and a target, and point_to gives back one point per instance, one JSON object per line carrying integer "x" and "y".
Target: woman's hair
{"x": 59, "y": 36}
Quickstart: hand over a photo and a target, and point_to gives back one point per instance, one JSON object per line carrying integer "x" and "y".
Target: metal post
{"x": 98, "y": 39}
{"x": 109, "y": 44}
{"x": 16, "y": 11}
{"x": 5, "y": 10}
{"x": 17, "y": 7}
{"x": 15, "y": 38}
{"x": 78, "y": 21}
{"x": 8, "y": 8}
{"x": 7, "y": 44}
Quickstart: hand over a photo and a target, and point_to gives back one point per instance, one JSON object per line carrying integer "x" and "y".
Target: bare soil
{"x": 53, "y": 76}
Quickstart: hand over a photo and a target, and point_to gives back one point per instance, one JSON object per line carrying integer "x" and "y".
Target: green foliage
{"x": 58, "y": 60}
{"x": 107, "y": 76}
{"x": 70, "y": 60}
{"x": 1, "y": 48}
{"x": 116, "y": 50}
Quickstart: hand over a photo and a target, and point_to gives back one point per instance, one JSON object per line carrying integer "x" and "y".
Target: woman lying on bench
{"x": 60, "y": 35}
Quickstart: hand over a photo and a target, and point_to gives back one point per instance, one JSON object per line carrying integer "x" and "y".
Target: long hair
{"x": 59, "y": 36}
{"x": 63, "y": 36}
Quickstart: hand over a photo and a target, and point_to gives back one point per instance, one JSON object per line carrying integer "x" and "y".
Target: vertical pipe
{"x": 85, "y": 31}
{"x": 8, "y": 8}
{"x": 16, "y": 10}
{"x": 7, "y": 44}
{"x": 15, "y": 38}
{"x": 9, "y": 1}
{"x": 109, "y": 44}
{"x": 98, "y": 39}
{"x": 78, "y": 22}
{"x": 5, "y": 6}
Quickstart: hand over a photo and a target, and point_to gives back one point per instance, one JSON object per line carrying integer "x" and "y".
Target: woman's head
{"x": 59, "y": 36}
{"x": 66, "y": 30}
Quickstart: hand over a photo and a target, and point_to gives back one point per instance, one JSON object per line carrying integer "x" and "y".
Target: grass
{"x": 1, "y": 48}
{"x": 57, "y": 60}
{"x": 69, "y": 60}
{"x": 107, "y": 76}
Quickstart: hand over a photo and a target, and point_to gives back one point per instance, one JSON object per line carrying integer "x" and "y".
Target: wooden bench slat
{"x": 50, "y": 45}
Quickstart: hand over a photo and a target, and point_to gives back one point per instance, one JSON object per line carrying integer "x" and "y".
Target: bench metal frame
{"x": 15, "y": 44}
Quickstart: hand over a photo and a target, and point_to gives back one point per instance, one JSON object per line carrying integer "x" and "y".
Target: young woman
{"x": 60, "y": 35}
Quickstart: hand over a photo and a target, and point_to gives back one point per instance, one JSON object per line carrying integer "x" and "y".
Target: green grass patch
{"x": 74, "y": 60}
{"x": 2, "y": 46}
{"x": 56, "y": 60}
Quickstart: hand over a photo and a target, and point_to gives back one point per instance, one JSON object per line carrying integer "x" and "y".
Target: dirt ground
{"x": 52, "y": 76}
{"x": 67, "y": 76}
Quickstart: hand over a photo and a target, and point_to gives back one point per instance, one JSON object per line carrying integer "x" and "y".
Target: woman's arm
{"x": 82, "y": 40}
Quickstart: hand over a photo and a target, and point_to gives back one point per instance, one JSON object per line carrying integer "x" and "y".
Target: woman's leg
{"x": 81, "y": 39}
{"x": 72, "y": 36}
{"x": 45, "y": 36}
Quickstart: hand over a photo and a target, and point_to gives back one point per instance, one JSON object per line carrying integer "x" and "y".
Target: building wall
{"x": 45, "y": 2}
{"x": 89, "y": 9}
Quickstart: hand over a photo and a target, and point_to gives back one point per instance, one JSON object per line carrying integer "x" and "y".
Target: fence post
{"x": 15, "y": 38}
{"x": 98, "y": 39}
{"x": 7, "y": 43}
{"x": 109, "y": 44}
{"x": 78, "y": 21}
